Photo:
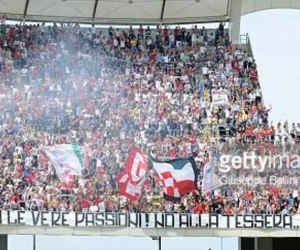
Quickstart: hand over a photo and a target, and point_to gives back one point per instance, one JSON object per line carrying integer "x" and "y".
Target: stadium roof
{"x": 133, "y": 11}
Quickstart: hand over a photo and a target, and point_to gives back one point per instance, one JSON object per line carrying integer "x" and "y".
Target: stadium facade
{"x": 142, "y": 12}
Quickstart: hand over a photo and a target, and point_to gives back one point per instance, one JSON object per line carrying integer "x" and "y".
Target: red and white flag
{"x": 132, "y": 179}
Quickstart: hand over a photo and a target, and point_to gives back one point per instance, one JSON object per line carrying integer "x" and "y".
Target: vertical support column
{"x": 256, "y": 247}
{"x": 3, "y": 242}
{"x": 235, "y": 20}
{"x": 34, "y": 242}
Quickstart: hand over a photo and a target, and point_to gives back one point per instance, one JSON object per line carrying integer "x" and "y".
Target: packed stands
{"x": 175, "y": 92}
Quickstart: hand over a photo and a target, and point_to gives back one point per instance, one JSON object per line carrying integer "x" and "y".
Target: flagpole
{"x": 157, "y": 238}
{"x": 34, "y": 242}
{"x": 159, "y": 243}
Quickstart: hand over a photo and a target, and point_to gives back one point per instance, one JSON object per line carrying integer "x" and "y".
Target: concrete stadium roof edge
{"x": 134, "y": 11}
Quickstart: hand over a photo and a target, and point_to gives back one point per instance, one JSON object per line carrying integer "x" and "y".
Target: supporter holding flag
{"x": 67, "y": 159}
{"x": 132, "y": 179}
{"x": 178, "y": 176}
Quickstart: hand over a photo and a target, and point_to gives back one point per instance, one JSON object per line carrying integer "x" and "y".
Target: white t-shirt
{"x": 258, "y": 93}
{"x": 194, "y": 36}
{"x": 93, "y": 209}
{"x": 101, "y": 207}
{"x": 28, "y": 161}
{"x": 202, "y": 49}
{"x": 26, "y": 87}
{"x": 116, "y": 43}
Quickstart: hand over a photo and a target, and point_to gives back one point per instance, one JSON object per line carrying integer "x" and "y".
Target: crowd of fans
{"x": 176, "y": 91}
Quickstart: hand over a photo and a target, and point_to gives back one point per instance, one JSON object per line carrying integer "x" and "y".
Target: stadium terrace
{"x": 78, "y": 105}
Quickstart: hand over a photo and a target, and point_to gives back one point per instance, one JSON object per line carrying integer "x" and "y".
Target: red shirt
{"x": 183, "y": 153}
{"x": 85, "y": 204}
{"x": 19, "y": 170}
{"x": 193, "y": 139}
{"x": 17, "y": 54}
{"x": 201, "y": 208}
{"x": 253, "y": 74}
{"x": 27, "y": 149}
{"x": 97, "y": 200}
{"x": 153, "y": 57}
{"x": 97, "y": 133}
{"x": 194, "y": 109}
{"x": 179, "y": 85}
{"x": 228, "y": 211}
{"x": 275, "y": 192}
{"x": 33, "y": 176}
{"x": 173, "y": 153}
{"x": 236, "y": 66}
{"x": 67, "y": 185}
{"x": 100, "y": 171}
{"x": 15, "y": 198}
{"x": 249, "y": 194}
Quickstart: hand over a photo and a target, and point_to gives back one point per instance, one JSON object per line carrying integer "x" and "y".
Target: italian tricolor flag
{"x": 68, "y": 159}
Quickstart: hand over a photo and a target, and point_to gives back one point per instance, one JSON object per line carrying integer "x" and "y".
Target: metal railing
{"x": 245, "y": 40}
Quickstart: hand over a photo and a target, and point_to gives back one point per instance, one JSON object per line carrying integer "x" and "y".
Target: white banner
{"x": 219, "y": 97}
{"x": 206, "y": 182}
{"x": 153, "y": 220}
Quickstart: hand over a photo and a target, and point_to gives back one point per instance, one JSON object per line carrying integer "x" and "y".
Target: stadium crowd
{"x": 176, "y": 91}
